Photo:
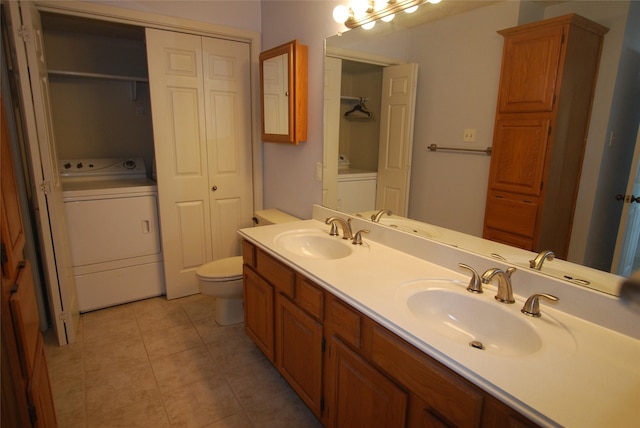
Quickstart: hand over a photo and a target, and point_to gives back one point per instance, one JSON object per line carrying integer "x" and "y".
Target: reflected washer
{"x": 112, "y": 222}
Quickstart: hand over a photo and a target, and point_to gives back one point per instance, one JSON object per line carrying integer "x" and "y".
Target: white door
{"x": 228, "y": 122}
{"x": 201, "y": 122}
{"x": 624, "y": 257}
{"x": 26, "y": 31}
{"x": 332, "y": 83}
{"x": 396, "y": 137}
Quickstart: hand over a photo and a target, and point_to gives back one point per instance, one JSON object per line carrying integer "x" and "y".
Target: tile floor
{"x": 167, "y": 363}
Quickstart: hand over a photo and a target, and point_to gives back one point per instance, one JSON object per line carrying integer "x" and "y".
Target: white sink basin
{"x": 314, "y": 244}
{"x": 478, "y": 320}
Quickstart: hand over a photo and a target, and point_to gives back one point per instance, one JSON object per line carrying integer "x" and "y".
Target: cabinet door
{"x": 12, "y": 232}
{"x": 39, "y": 391}
{"x": 359, "y": 395}
{"x": 519, "y": 155}
{"x": 299, "y": 351}
{"x": 530, "y": 70}
{"x": 258, "y": 312}
{"x": 511, "y": 219}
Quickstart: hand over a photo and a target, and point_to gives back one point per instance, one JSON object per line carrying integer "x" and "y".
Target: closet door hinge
{"x": 45, "y": 187}
{"x": 25, "y": 33}
{"x": 64, "y": 317}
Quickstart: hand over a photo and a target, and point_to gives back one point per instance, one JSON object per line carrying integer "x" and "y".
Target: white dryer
{"x": 112, "y": 219}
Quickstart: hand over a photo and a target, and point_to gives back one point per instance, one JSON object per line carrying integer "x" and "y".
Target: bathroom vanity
{"x": 359, "y": 332}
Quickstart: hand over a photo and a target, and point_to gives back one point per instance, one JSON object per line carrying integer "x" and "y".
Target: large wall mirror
{"x": 283, "y": 93}
{"x": 459, "y": 52}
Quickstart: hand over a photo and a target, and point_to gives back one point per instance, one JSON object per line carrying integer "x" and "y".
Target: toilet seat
{"x": 223, "y": 270}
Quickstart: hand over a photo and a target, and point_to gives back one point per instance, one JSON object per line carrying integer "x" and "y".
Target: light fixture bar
{"x": 392, "y": 7}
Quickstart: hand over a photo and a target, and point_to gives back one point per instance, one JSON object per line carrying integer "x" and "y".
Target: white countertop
{"x": 593, "y": 381}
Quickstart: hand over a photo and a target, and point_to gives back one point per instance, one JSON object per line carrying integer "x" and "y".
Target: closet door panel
{"x": 177, "y": 102}
{"x": 228, "y": 134}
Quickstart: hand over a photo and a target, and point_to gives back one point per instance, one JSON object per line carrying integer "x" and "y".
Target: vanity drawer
{"x": 309, "y": 297}
{"x": 249, "y": 253}
{"x": 512, "y": 213}
{"x": 446, "y": 397}
{"x": 344, "y": 321}
{"x": 278, "y": 274}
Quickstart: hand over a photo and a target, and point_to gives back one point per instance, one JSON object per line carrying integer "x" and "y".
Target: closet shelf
{"x": 64, "y": 73}
{"x": 355, "y": 99}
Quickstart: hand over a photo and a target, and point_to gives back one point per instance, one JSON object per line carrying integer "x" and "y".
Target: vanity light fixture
{"x": 365, "y": 13}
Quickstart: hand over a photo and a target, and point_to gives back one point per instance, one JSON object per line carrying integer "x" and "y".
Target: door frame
{"x": 144, "y": 20}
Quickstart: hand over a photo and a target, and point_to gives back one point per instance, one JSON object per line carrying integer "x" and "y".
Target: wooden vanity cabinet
{"x": 283, "y": 316}
{"x": 547, "y": 81}
{"x": 347, "y": 368}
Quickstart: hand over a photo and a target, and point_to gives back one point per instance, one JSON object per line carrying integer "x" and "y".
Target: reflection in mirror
{"x": 275, "y": 80}
{"x": 459, "y": 58}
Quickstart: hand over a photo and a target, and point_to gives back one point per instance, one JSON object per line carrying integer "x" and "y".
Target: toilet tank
{"x": 272, "y": 216}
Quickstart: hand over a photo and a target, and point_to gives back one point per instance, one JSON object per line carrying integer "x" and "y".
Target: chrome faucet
{"x": 376, "y": 216}
{"x": 346, "y": 227}
{"x": 505, "y": 291}
{"x": 540, "y": 258}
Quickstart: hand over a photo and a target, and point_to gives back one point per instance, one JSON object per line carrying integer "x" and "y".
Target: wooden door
{"x": 360, "y": 396}
{"x": 530, "y": 70}
{"x": 259, "y": 312}
{"x": 519, "y": 155}
{"x": 13, "y": 238}
{"x": 299, "y": 351}
{"x": 396, "y": 137}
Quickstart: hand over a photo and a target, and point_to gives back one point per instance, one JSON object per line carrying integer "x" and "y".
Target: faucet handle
{"x": 334, "y": 229}
{"x": 475, "y": 285}
{"x": 357, "y": 239}
{"x": 532, "y": 305}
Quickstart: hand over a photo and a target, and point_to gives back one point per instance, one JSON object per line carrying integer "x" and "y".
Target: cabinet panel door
{"x": 258, "y": 312}
{"x": 519, "y": 154}
{"x": 512, "y": 213}
{"x": 530, "y": 70}
{"x": 39, "y": 391}
{"x": 299, "y": 351}
{"x": 361, "y": 396}
{"x": 12, "y": 232}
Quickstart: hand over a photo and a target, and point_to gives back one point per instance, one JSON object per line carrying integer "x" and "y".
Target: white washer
{"x": 356, "y": 190}
{"x": 112, "y": 220}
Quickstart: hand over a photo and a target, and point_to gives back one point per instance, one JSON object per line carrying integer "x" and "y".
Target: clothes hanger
{"x": 359, "y": 109}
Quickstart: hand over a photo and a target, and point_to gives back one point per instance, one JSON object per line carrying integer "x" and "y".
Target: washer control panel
{"x": 103, "y": 167}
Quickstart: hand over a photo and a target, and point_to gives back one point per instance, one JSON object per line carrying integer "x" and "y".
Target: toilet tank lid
{"x": 227, "y": 268}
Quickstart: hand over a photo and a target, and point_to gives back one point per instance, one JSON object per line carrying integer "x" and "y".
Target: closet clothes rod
{"x": 358, "y": 99}
{"x": 435, "y": 147}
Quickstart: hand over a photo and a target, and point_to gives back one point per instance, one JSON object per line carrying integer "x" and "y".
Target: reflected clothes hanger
{"x": 359, "y": 110}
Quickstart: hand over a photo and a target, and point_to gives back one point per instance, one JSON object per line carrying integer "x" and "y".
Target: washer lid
{"x": 223, "y": 269}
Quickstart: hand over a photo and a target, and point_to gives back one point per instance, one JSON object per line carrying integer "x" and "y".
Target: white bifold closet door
{"x": 201, "y": 108}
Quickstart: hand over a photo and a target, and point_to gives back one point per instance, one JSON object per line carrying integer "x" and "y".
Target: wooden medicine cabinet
{"x": 283, "y": 93}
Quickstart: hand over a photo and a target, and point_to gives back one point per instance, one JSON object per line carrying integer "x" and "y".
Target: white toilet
{"x": 222, "y": 278}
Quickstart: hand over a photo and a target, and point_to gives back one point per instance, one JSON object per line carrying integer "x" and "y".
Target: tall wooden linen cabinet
{"x": 26, "y": 391}
{"x": 547, "y": 82}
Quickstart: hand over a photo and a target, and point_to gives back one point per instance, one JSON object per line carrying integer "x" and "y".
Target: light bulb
{"x": 369, "y": 25}
{"x": 340, "y": 14}
{"x": 411, "y": 9}
{"x": 379, "y": 5}
{"x": 359, "y": 8}
{"x": 434, "y": 1}
{"x": 388, "y": 18}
